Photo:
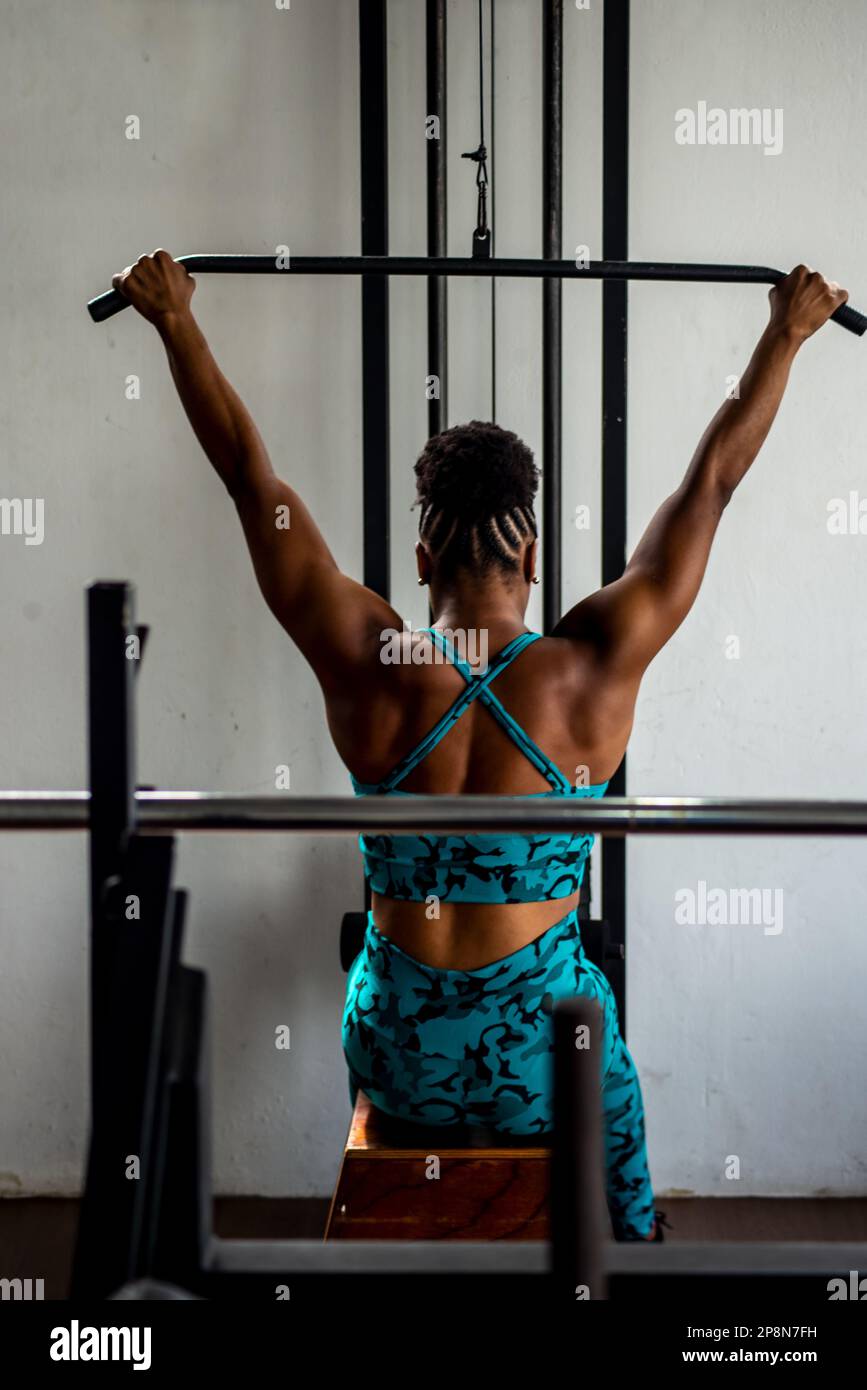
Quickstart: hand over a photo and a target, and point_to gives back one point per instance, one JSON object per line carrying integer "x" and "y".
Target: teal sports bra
{"x": 477, "y": 868}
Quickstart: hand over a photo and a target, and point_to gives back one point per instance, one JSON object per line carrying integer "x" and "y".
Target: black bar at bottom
{"x": 577, "y": 1184}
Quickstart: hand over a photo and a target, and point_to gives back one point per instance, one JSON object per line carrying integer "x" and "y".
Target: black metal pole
{"x": 373, "y": 62}
{"x": 577, "y": 1182}
{"x": 375, "y": 375}
{"x": 492, "y": 203}
{"x": 437, "y": 224}
{"x": 111, "y": 761}
{"x": 615, "y": 238}
{"x": 552, "y": 311}
{"x": 112, "y": 812}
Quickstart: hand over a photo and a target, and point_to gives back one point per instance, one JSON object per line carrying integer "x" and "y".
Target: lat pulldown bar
{"x": 110, "y": 303}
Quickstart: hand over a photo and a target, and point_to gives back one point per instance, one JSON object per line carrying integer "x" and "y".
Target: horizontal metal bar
{"x": 44, "y": 810}
{"x": 517, "y": 267}
{"x": 819, "y": 1259}
{"x": 105, "y": 305}
{"x": 380, "y": 1257}
{"x": 733, "y": 1258}
{"x": 616, "y": 815}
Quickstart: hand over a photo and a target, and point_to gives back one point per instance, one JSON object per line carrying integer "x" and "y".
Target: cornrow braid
{"x": 475, "y": 487}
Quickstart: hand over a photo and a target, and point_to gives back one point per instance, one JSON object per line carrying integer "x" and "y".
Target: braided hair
{"x": 475, "y": 486}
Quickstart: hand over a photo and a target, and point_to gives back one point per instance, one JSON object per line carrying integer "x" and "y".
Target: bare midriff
{"x": 466, "y": 936}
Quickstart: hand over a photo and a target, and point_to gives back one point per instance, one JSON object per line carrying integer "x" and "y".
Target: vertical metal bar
{"x": 492, "y": 207}
{"x": 111, "y": 762}
{"x": 113, "y": 1236}
{"x": 615, "y": 228}
{"x": 552, "y": 310}
{"x": 373, "y": 63}
{"x": 437, "y": 224}
{"x": 577, "y": 1170}
{"x": 130, "y": 962}
{"x": 376, "y": 434}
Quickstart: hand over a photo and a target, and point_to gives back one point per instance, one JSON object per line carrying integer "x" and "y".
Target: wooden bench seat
{"x": 490, "y": 1186}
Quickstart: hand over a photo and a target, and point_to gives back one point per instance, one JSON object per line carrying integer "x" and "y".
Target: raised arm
{"x": 333, "y": 620}
{"x": 631, "y": 619}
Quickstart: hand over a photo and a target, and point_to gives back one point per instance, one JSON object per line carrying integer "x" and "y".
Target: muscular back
{"x": 557, "y": 690}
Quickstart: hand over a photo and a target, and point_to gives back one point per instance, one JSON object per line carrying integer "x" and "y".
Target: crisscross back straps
{"x": 477, "y": 688}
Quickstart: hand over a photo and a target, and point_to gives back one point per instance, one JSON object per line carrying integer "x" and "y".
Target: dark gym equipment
{"x": 112, "y": 302}
{"x": 375, "y": 417}
{"x": 482, "y": 247}
{"x": 552, "y": 311}
{"x": 615, "y": 310}
{"x": 437, "y": 203}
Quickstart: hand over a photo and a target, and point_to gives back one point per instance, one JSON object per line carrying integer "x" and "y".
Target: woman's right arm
{"x": 631, "y": 619}
{"x": 334, "y": 621}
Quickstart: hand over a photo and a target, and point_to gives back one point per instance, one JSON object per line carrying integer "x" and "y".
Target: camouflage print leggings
{"x": 473, "y": 1047}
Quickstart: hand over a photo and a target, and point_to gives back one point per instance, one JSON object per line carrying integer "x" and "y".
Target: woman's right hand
{"x": 158, "y": 286}
{"x": 804, "y": 301}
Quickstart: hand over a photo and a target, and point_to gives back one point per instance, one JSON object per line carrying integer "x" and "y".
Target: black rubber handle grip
{"x": 105, "y": 306}
{"x": 850, "y": 318}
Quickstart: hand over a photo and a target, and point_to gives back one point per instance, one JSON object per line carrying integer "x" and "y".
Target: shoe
{"x": 660, "y": 1220}
{"x": 660, "y": 1223}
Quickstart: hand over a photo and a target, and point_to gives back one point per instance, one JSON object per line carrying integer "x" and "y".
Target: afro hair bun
{"x": 475, "y": 472}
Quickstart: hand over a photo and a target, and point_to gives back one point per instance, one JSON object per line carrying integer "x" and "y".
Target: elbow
{"x": 718, "y": 485}
{"x": 711, "y": 488}
{"x": 242, "y": 476}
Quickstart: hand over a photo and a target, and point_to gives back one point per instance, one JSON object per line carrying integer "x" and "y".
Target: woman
{"x": 470, "y": 940}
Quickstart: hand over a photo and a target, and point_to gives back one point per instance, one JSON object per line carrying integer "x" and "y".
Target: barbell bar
{"x": 615, "y": 816}
{"x": 104, "y": 306}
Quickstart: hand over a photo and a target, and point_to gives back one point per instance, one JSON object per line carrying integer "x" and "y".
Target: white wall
{"x": 747, "y": 1044}
{"x": 752, "y": 1044}
{"x": 249, "y": 139}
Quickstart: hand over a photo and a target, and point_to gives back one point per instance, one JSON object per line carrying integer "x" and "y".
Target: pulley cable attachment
{"x": 482, "y": 234}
